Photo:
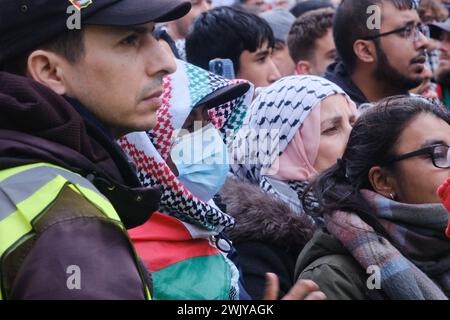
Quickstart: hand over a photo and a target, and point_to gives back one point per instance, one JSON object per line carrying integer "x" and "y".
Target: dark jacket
{"x": 268, "y": 236}
{"x": 325, "y": 261}
{"x": 36, "y": 125}
{"x": 338, "y": 74}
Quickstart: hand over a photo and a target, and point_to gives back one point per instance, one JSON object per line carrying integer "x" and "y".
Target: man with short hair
{"x": 244, "y": 38}
{"x": 310, "y": 42}
{"x": 67, "y": 192}
{"x": 377, "y": 63}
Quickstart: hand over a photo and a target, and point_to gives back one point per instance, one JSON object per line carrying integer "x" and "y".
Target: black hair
{"x": 309, "y": 5}
{"x": 69, "y": 45}
{"x": 225, "y": 32}
{"x": 371, "y": 142}
{"x": 350, "y": 25}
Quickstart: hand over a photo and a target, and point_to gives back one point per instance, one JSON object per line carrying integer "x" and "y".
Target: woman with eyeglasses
{"x": 384, "y": 234}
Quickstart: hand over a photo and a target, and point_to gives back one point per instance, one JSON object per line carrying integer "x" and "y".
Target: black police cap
{"x": 25, "y": 24}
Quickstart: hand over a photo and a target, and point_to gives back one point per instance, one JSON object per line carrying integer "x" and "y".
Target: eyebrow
{"x": 333, "y": 120}
{"x": 261, "y": 54}
{"x": 135, "y": 29}
{"x": 432, "y": 142}
{"x": 408, "y": 23}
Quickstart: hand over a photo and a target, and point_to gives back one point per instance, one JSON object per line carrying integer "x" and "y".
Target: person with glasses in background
{"x": 385, "y": 225}
{"x": 377, "y": 61}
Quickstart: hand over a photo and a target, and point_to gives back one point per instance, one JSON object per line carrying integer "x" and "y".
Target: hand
{"x": 302, "y": 290}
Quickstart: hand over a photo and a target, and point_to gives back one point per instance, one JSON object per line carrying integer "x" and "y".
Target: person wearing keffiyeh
{"x": 182, "y": 243}
{"x": 384, "y": 235}
{"x": 294, "y": 129}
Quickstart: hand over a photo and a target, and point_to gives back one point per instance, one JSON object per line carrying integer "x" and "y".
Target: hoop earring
{"x": 392, "y": 196}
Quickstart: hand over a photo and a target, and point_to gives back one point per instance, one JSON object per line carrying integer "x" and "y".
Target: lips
{"x": 153, "y": 101}
{"x": 155, "y": 95}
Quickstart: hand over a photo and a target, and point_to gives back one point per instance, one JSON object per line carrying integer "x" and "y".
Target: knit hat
{"x": 280, "y": 21}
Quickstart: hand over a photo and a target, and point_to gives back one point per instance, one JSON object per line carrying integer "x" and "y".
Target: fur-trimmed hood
{"x": 262, "y": 217}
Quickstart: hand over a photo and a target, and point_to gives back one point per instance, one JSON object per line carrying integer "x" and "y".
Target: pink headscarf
{"x": 283, "y": 123}
{"x": 297, "y": 161}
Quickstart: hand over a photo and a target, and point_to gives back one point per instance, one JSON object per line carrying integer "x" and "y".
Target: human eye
{"x": 131, "y": 40}
{"x": 262, "y": 59}
{"x": 330, "y": 130}
{"x": 440, "y": 152}
{"x": 408, "y": 31}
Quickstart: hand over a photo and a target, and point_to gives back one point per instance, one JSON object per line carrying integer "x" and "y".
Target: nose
{"x": 422, "y": 42}
{"x": 273, "y": 72}
{"x": 158, "y": 61}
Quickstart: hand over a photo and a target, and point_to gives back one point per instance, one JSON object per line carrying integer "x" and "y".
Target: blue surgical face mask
{"x": 202, "y": 161}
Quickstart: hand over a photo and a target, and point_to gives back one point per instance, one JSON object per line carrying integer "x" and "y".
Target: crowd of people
{"x": 130, "y": 168}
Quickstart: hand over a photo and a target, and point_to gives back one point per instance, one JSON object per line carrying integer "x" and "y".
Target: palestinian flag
{"x": 81, "y": 4}
{"x": 184, "y": 264}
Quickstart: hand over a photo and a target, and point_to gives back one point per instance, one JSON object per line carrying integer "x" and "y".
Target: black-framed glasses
{"x": 408, "y": 31}
{"x": 439, "y": 155}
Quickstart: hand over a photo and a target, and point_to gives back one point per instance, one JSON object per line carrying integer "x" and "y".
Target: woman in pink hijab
{"x": 295, "y": 129}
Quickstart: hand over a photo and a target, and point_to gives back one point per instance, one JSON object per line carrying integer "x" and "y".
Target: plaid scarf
{"x": 149, "y": 150}
{"x": 418, "y": 266}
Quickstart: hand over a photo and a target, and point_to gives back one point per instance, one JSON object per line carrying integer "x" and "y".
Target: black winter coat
{"x": 268, "y": 235}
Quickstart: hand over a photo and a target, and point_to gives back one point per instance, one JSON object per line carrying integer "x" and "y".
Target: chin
{"x": 146, "y": 126}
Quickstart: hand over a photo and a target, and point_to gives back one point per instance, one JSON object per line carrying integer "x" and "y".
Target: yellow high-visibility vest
{"x": 25, "y": 194}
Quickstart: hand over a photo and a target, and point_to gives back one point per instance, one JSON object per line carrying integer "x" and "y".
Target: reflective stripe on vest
{"x": 25, "y": 193}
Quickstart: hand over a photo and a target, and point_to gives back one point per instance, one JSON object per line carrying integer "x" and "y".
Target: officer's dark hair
{"x": 69, "y": 45}
{"x": 350, "y": 25}
{"x": 225, "y": 32}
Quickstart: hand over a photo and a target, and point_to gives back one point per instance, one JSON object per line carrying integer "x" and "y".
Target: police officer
{"x": 67, "y": 194}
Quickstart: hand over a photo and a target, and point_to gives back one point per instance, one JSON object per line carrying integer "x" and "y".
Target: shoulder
{"x": 325, "y": 261}
{"x": 338, "y": 276}
{"x": 263, "y": 218}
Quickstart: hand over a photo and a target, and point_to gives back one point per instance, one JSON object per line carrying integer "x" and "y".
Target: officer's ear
{"x": 46, "y": 68}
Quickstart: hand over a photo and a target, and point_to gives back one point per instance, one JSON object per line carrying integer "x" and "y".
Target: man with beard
{"x": 441, "y": 31}
{"x": 377, "y": 61}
